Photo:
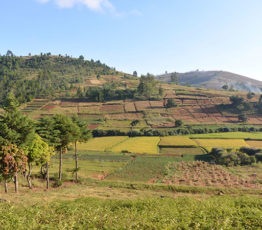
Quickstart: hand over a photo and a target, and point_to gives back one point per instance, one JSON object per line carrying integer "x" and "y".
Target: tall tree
{"x": 81, "y": 134}
{"x": 39, "y": 153}
{"x": 63, "y": 129}
{"x": 15, "y": 129}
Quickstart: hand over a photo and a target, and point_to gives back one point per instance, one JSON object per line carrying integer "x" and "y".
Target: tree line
{"x": 25, "y": 143}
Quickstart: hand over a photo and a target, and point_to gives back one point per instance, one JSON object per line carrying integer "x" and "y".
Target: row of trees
{"x": 24, "y": 143}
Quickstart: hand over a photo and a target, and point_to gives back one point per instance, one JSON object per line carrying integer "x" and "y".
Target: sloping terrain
{"x": 215, "y": 80}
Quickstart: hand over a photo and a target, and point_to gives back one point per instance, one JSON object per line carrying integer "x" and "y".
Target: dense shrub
{"x": 231, "y": 159}
{"x": 249, "y": 151}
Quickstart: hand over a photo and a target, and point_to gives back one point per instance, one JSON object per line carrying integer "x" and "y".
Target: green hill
{"x": 47, "y": 76}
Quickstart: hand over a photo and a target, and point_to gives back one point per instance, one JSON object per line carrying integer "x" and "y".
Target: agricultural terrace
{"x": 101, "y": 143}
{"x": 176, "y": 141}
{"x": 138, "y": 145}
{"x": 208, "y": 144}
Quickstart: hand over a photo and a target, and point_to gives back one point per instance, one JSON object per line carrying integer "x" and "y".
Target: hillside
{"x": 215, "y": 80}
{"x": 48, "y": 76}
{"x": 111, "y": 100}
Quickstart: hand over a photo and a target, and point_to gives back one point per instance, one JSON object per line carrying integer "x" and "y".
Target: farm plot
{"x": 255, "y": 144}
{"x": 112, "y": 108}
{"x": 49, "y": 107}
{"x": 68, "y": 104}
{"x": 34, "y": 105}
{"x": 101, "y": 143}
{"x": 126, "y": 116}
{"x": 138, "y": 145}
{"x": 208, "y": 144}
{"x": 176, "y": 141}
{"x": 182, "y": 114}
{"x": 156, "y": 120}
{"x": 178, "y": 151}
{"x": 130, "y": 107}
{"x": 156, "y": 104}
{"x": 92, "y": 109}
{"x": 142, "y": 105}
{"x": 229, "y": 135}
{"x": 204, "y": 174}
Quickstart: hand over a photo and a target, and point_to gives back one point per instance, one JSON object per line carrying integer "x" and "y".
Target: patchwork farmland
{"x": 195, "y": 107}
{"x": 171, "y": 145}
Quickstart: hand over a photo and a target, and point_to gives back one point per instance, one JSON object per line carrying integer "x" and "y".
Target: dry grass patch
{"x": 255, "y": 144}
{"x": 204, "y": 174}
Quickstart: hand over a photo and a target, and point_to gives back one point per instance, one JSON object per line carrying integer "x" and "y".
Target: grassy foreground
{"x": 182, "y": 213}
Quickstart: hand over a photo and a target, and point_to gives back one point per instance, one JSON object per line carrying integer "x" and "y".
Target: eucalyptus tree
{"x": 81, "y": 134}
{"x": 15, "y": 132}
{"x": 59, "y": 132}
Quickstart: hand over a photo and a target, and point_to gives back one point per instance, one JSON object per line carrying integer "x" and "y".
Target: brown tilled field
{"x": 205, "y": 174}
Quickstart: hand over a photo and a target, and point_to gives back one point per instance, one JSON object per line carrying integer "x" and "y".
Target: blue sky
{"x": 144, "y": 35}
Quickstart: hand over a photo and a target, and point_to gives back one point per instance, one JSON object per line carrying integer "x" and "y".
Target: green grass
{"x": 144, "y": 168}
{"x": 182, "y": 213}
{"x": 181, "y": 151}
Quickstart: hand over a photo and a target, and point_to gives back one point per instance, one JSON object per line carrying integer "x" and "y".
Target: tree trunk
{"x": 16, "y": 183}
{"x": 76, "y": 159}
{"x": 42, "y": 171}
{"x": 60, "y": 165}
{"x": 6, "y": 189}
{"x": 29, "y": 175}
{"x": 47, "y": 176}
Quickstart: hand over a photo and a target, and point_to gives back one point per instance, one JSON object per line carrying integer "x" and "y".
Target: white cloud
{"x": 96, "y": 5}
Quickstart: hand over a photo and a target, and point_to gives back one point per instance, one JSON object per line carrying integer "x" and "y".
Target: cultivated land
{"x": 142, "y": 182}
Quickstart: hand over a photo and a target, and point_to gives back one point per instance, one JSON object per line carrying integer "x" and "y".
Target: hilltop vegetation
{"x": 46, "y": 76}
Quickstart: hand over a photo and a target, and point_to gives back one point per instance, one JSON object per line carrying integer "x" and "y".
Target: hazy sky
{"x": 144, "y": 35}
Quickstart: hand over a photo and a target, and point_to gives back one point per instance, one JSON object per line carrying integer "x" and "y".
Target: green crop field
{"x": 138, "y": 145}
{"x": 228, "y": 135}
{"x": 101, "y": 143}
{"x": 176, "y": 141}
{"x": 208, "y": 144}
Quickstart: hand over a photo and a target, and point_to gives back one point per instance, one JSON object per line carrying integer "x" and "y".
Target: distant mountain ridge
{"x": 215, "y": 80}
